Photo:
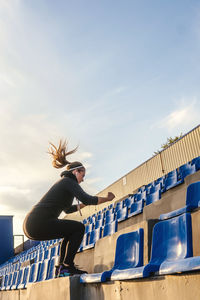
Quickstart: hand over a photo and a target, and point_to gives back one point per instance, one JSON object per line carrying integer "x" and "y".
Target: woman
{"x": 42, "y": 222}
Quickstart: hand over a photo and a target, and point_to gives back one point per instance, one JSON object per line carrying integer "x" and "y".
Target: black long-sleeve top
{"x": 60, "y": 197}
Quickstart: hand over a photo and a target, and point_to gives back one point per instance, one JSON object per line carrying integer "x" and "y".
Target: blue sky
{"x": 115, "y": 77}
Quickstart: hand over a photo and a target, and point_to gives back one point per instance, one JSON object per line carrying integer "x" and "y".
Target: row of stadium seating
{"x": 171, "y": 253}
{"x": 38, "y": 263}
{"x": 105, "y": 222}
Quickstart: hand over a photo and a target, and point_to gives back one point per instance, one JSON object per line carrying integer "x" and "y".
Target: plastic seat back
{"x": 99, "y": 223}
{"x": 88, "y": 228}
{"x": 193, "y": 194}
{"x": 33, "y": 272}
{"x": 25, "y": 278}
{"x": 140, "y": 196}
{"x": 43, "y": 270}
{"x": 153, "y": 197}
{"x": 54, "y": 251}
{"x": 110, "y": 228}
{"x": 5, "y": 282}
{"x": 122, "y": 214}
{"x": 51, "y": 269}
{"x": 99, "y": 217}
{"x": 128, "y": 202}
{"x": 85, "y": 241}
{"x": 95, "y": 235}
{"x": 172, "y": 239}
{"x": 118, "y": 206}
{"x": 129, "y": 250}
{"x": 172, "y": 174}
{"x": 137, "y": 206}
{"x": 46, "y": 254}
{"x": 155, "y": 188}
{"x": 109, "y": 219}
{"x": 19, "y": 278}
{"x": 197, "y": 164}
{"x": 14, "y": 280}
{"x": 108, "y": 212}
{"x": 187, "y": 171}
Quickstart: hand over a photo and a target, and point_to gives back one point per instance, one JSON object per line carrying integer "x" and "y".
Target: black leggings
{"x": 71, "y": 231}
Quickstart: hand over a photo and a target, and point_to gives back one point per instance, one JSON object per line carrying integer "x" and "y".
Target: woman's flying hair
{"x": 59, "y": 154}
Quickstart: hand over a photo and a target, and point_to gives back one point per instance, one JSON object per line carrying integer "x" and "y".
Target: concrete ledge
{"x": 85, "y": 260}
{"x": 65, "y": 288}
{"x": 171, "y": 287}
{"x": 9, "y": 295}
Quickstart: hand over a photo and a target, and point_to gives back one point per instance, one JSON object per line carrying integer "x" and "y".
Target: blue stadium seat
{"x": 187, "y": 171}
{"x": 118, "y": 206}
{"x": 155, "y": 188}
{"x": 88, "y": 228}
{"x": 194, "y": 160}
{"x": 4, "y": 282}
{"x": 12, "y": 277}
{"x": 129, "y": 254}
{"x": 172, "y": 180}
{"x": 111, "y": 206}
{"x": 42, "y": 270}
{"x": 54, "y": 251}
{"x": 109, "y": 212}
{"x": 192, "y": 202}
{"x": 136, "y": 208}
{"x": 197, "y": 164}
{"x": 47, "y": 254}
{"x": 160, "y": 179}
{"x": 92, "y": 220}
{"x": 128, "y": 202}
{"x": 140, "y": 196}
{"x": 142, "y": 189}
{"x": 41, "y": 255}
{"x": 17, "y": 280}
{"x": 172, "y": 247}
{"x": 153, "y": 197}
{"x": 122, "y": 214}
{"x": 25, "y": 278}
{"x": 171, "y": 250}
{"x": 95, "y": 235}
{"x": 100, "y": 216}
{"x": 51, "y": 268}
{"x": 109, "y": 219}
{"x": 99, "y": 223}
{"x": 85, "y": 241}
{"x": 184, "y": 167}
{"x": 110, "y": 228}
{"x": 33, "y": 273}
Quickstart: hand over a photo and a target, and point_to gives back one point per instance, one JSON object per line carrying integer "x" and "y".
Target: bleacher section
{"x": 146, "y": 236}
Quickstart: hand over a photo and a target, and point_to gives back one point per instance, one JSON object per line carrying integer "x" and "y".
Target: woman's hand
{"x": 110, "y": 196}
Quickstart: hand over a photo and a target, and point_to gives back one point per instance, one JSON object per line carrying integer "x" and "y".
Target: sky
{"x": 115, "y": 77}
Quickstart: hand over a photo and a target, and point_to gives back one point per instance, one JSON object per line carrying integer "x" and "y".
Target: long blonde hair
{"x": 59, "y": 155}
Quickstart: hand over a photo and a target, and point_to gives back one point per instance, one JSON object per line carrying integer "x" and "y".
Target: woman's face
{"x": 80, "y": 174}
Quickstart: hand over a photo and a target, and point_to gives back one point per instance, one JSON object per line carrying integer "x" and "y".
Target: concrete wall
{"x": 171, "y": 287}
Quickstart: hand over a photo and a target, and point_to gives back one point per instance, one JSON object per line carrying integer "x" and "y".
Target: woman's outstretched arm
{"x": 109, "y": 197}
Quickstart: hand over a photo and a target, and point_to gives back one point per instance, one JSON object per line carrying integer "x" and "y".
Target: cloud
{"x": 26, "y": 172}
{"x": 14, "y": 197}
{"x": 185, "y": 117}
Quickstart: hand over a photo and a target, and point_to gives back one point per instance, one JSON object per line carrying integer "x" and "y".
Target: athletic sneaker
{"x": 68, "y": 271}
